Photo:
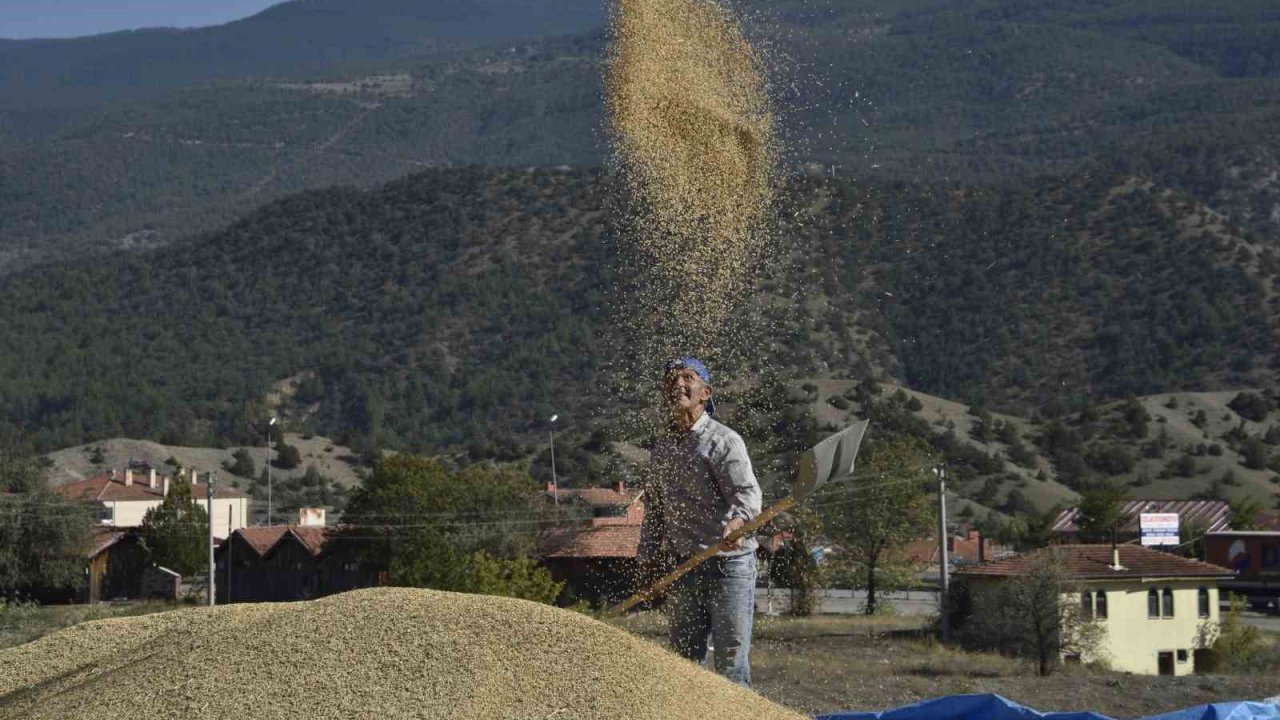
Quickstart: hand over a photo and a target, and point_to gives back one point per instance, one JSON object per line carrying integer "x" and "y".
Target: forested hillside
{"x": 283, "y": 40}
{"x": 916, "y": 90}
{"x": 458, "y": 304}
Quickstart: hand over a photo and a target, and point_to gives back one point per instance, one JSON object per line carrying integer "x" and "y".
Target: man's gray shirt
{"x": 697, "y": 482}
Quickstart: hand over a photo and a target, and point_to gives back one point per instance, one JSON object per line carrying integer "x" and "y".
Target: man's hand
{"x": 729, "y": 527}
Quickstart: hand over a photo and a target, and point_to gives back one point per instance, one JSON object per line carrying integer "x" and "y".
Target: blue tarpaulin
{"x": 994, "y": 707}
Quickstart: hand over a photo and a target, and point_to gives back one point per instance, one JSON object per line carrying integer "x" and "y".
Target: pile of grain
{"x": 384, "y": 653}
{"x": 693, "y": 141}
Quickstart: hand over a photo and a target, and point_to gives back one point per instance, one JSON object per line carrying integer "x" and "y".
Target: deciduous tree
{"x": 874, "y": 514}
{"x": 425, "y": 521}
{"x": 1036, "y": 615}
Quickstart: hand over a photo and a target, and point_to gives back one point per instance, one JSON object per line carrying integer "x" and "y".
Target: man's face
{"x": 685, "y": 391}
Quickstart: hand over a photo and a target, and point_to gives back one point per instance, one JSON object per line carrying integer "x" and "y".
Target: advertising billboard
{"x": 1159, "y": 528}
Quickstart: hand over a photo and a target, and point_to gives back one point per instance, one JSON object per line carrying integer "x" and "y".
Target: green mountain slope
{"x": 980, "y": 91}
{"x": 285, "y": 39}
{"x": 452, "y": 302}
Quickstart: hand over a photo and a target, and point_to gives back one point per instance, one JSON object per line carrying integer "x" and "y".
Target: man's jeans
{"x": 716, "y": 599}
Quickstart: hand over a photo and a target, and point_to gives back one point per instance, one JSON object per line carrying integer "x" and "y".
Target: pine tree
{"x": 174, "y": 533}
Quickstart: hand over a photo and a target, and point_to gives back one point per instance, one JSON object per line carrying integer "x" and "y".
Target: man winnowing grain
{"x": 700, "y": 488}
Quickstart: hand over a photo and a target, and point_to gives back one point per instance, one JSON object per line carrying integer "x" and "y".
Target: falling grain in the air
{"x": 693, "y": 140}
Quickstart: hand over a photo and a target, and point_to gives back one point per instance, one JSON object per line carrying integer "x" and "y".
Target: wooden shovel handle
{"x": 657, "y": 588}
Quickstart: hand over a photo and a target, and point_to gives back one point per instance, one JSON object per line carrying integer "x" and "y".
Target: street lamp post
{"x": 555, "y": 486}
{"x": 269, "y": 426}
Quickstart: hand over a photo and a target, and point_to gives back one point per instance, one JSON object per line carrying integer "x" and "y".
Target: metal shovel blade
{"x": 831, "y": 458}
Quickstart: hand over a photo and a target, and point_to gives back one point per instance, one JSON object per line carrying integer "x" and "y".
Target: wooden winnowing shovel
{"x": 831, "y": 458}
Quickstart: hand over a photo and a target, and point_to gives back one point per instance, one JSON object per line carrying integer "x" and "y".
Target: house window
{"x": 1203, "y": 597}
{"x": 1167, "y": 609}
{"x": 106, "y": 514}
{"x": 1182, "y": 656}
{"x": 1100, "y": 610}
{"x": 1270, "y": 556}
{"x": 1153, "y": 604}
{"x": 1086, "y": 605}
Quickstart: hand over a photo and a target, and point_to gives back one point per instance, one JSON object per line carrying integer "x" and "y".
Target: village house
{"x": 1253, "y": 557}
{"x": 119, "y": 569}
{"x": 1152, "y": 605}
{"x": 123, "y": 498}
{"x": 283, "y": 563}
{"x": 270, "y": 564}
{"x": 966, "y": 549}
{"x": 598, "y": 561}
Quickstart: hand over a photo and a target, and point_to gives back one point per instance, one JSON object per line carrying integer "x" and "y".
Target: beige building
{"x": 1154, "y": 607}
{"x": 125, "y": 497}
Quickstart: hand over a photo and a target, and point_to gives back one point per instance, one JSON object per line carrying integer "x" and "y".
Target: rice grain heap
{"x": 385, "y": 653}
{"x": 693, "y": 140}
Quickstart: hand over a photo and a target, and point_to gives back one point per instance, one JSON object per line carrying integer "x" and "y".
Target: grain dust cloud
{"x": 694, "y": 147}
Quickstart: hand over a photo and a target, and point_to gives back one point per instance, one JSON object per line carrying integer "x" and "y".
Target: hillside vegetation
{"x": 461, "y": 308}
{"x": 990, "y": 90}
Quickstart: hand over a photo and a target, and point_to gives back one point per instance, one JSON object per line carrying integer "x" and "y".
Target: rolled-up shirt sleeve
{"x": 737, "y": 481}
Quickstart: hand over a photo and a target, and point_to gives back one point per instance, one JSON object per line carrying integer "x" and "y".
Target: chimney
{"x": 621, "y": 487}
{"x": 151, "y": 478}
{"x": 113, "y": 473}
{"x": 128, "y": 477}
{"x": 1115, "y": 559}
{"x": 551, "y": 487}
{"x": 166, "y": 486}
{"x": 310, "y": 517}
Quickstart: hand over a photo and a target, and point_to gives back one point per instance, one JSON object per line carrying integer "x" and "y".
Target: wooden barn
{"x": 284, "y": 563}
{"x": 270, "y": 564}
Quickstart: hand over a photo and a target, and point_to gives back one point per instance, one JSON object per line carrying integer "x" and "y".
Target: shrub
{"x": 1251, "y": 406}
{"x": 242, "y": 464}
{"x": 1233, "y": 645}
{"x": 1254, "y": 454}
{"x": 287, "y": 456}
{"x": 519, "y": 577}
{"x": 1110, "y": 459}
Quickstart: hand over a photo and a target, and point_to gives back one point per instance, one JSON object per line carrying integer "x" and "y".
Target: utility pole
{"x": 209, "y": 480}
{"x": 269, "y": 425}
{"x": 555, "y": 485}
{"x": 944, "y": 579}
{"x": 231, "y": 513}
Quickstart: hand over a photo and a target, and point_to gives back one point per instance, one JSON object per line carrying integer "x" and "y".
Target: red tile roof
{"x": 262, "y": 539}
{"x": 602, "y": 541}
{"x": 1267, "y": 520}
{"x": 104, "y": 488}
{"x": 312, "y": 538}
{"x": 1214, "y": 514}
{"x": 104, "y": 536}
{"x": 599, "y": 496}
{"x": 1093, "y": 562}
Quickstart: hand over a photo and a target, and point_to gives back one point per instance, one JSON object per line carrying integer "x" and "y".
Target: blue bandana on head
{"x": 694, "y": 364}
